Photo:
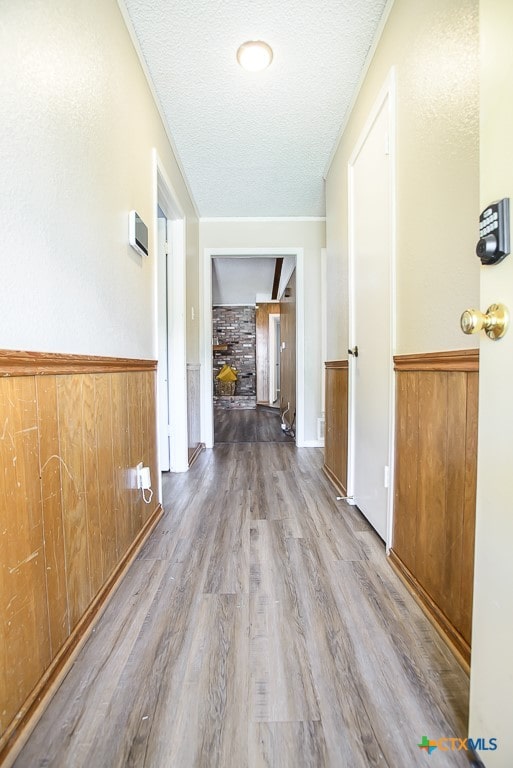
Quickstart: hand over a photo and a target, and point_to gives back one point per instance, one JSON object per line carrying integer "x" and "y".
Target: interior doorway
{"x": 267, "y": 377}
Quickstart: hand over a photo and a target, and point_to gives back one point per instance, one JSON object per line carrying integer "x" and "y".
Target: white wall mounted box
{"x": 137, "y": 233}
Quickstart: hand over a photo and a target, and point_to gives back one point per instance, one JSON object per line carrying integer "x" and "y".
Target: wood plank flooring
{"x": 260, "y": 627}
{"x": 257, "y": 425}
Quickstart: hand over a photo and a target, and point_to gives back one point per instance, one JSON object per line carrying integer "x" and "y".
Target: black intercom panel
{"x": 493, "y": 244}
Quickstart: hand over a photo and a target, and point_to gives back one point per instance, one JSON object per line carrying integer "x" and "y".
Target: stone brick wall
{"x": 236, "y": 327}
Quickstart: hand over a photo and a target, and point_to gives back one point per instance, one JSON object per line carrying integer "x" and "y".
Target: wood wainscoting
{"x": 435, "y": 486}
{"x": 335, "y": 433}
{"x": 72, "y": 429}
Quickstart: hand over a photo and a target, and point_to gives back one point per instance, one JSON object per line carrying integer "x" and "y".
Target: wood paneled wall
{"x": 288, "y": 354}
{"x": 263, "y": 310}
{"x": 435, "y": 486}
{"x": 335, "y": 436}
{"x": 71, "y": 430}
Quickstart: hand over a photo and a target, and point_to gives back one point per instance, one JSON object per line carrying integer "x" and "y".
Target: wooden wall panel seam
{"x": 21, "y": 363}
{"x": 65, "y": 557}
{"x": 43, "y": 523}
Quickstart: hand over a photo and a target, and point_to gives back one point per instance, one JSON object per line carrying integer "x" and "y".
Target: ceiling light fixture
{"x": 255, "y": 55}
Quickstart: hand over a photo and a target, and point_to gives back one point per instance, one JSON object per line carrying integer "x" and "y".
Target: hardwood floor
{"x": 257, "y": 425}
{"x": 260, "y": 627}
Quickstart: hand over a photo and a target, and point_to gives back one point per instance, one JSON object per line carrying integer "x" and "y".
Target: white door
{"x": 370, "y": 227}
{"x": 163, "y": 343}
{"x": 274, "y": 357}
{"x": 491, "y": 680}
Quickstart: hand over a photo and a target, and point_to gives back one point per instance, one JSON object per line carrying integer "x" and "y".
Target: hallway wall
{"x": 76, "y": 156}
{"x": 308, "y": 234}
{"x": 434, "y": 48}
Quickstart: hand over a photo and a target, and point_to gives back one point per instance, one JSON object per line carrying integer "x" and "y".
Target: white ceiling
{"x": 255, "y": 144}
{"x": 247, "y": 279}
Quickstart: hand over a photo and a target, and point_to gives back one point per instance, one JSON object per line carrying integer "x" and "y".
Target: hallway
{"x": 260, "y": 626}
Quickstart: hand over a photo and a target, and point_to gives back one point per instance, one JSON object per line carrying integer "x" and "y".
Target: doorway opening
{"x": 258, "y": 334}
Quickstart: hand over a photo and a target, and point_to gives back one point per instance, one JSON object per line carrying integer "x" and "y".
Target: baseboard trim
{"x": 455, "y": 642}
{"x": 17, "y": 733}
{"x": 334, "y": 481}
{"x": 311, "y": 444}
{"x": 199, "y": 449}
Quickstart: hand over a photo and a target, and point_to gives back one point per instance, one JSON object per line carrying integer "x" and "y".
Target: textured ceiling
{"x": 255, "y": 144}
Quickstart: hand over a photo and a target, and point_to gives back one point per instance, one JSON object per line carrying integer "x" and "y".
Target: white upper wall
{"x": 77, "y": 131}
{"x": 306, "y": 234}
{"x": 434, "y": 48}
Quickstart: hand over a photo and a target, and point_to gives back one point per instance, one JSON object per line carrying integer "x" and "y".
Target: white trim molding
{"x": 165, "y": 196}
{"x": 221, "y": 220}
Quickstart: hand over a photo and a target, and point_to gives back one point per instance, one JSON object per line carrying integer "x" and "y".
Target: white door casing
{"x": 371, "y": 196}
{"x": 166, "y": 198}
{"x": 163, "y": 354}
{"x": 491, "y": 678}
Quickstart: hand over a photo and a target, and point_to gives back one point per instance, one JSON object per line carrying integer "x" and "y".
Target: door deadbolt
{"x": 494, "y": 322}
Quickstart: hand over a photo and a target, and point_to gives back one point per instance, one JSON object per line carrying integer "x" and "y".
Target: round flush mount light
{"x": 255, "y": 55}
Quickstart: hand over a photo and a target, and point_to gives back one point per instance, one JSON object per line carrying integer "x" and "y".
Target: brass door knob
{"x": 494, "y": 322}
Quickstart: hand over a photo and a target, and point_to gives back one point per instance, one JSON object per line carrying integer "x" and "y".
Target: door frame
{"x": 387, "y": 92}
{"x": 163, "y": 239}
{"x": 207, "y": 387}
{"x": 165, "y": 196}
